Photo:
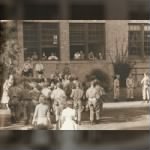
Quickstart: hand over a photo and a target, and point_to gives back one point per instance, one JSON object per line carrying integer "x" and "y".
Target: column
{"x": 64, "y": 41}
{"x": 142, "y": 41}
{"x": 20, "y": 41}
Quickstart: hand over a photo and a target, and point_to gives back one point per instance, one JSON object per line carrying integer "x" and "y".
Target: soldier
{"x": 59, "y": 100}
{"x": 146, "y": 84}
{"x": 35, "y": 93}
{"x": 116, "y": 88}
{"x": 130, "y": 87}
{"x": 28, "y": 104}
{"x": 15, "y": 94}
{"x": 77, "y": 95}
{"x": 91, "y": 95}
{"x": 100, "y": 94}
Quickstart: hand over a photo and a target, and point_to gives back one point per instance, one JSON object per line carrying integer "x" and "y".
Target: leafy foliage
{"x": 101, "y": 76}
{"x": 9, "y": 48}
{"x": 120, "y": 63}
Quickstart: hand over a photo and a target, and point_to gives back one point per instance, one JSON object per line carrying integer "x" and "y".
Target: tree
{"x": 9, "y": 48}
{"x": 121, "y": 64}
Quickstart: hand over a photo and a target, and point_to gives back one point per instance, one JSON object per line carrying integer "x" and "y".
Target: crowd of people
{"x": 131, "y": 85}
{"x": 80, "y": 55}
{"x": 61, "y": 98}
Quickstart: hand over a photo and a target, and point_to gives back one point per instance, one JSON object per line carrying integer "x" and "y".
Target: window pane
{"x": 134, "y": 39}
{"x": 41, "y": 39}
{"x": 31, "y": 39}
{"x": 49, "y": 39}
{"x": 77, "y": 33}
{"x": 147, "y": 42}
{"x": 134, "y": 42}
{"x": 86, "y": 38}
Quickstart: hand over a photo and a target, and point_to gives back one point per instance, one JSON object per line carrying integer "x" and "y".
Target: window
{"x": 41, "y": 40}
{"x": 147, "y": 40}
{"x": 87, "y": 39}
{"x": 139, "y": 39}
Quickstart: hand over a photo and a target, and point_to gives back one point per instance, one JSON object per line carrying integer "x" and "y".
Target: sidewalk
{"x": 111, "y": 119}
{"x": 131, "y": 104}
{"x": 112, "y": 105}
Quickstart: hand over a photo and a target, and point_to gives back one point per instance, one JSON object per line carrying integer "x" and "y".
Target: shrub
{"x": 123, "y": 69}
{"x": 120, "y": 62}
{"x": 101, "y": 76}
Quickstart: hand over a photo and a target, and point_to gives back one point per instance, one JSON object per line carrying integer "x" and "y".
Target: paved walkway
{"x": 134, "y": 104}
{"x": 116, "y": 116}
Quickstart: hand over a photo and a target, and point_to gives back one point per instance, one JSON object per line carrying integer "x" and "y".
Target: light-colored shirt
{"x": 91, "y": 92}
{"x": 116, "y": 83}
{"x": 68, "y": 117}
{"x": 52, "y": 58}
{"x": 41, "y": 114}
{"x": 39, "y": 67}
{"x": 145, "y": 82}
{"x": 58, "y": 95}
{"x": 129, "y": 83}
{"x": 77, "y": 94}
{"x": 46, "y": 92}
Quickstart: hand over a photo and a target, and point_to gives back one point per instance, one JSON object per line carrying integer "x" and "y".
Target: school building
{"x": 106, "y": 39}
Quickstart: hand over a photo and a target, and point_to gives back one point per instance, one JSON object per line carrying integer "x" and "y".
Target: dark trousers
{"x": 14, "y": 106}
{"x": 28, "y": 111}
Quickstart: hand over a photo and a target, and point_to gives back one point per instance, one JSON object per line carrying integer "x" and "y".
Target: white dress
{"x": 5, "y": 98}
{"x": 41, "y": 115}
{"x": 68, "y": 114}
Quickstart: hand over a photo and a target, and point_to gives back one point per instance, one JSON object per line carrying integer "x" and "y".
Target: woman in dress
{"x": 68, "y": 117}
{"x": 5, "y": 98}
{"x": 41, "y": 117}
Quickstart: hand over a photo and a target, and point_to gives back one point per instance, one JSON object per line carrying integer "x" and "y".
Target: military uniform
{"x": 146, "y": 86}
{"x": 130, "y": 87}
{"x": 77, "y": 95}
{"x": 15, "y": 94}
{"x": 59, "y": 98}
{"x": 116, "y": 89}
{"x": 91, "y": 95}
{"x": 28, "y": 106}
{"x": 99, "y": 96}
{"x": 35, "y": 94}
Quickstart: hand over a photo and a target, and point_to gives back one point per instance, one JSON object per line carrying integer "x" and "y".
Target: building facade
{"x": 105, "y": 39}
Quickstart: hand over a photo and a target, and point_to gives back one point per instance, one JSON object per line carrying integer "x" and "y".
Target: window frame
{"x": 88, "y": 41}
{"x": 142, "y": 31}
{"x": 40, "y": 33}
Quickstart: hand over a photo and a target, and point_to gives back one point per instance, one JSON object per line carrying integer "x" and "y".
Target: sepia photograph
{"x": 75, "y": 74}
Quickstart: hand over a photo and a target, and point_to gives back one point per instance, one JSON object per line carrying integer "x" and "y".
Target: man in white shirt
{"x": 130, "y": 87}
{"x": 146, "y": 86}
{"x": 91, "y": 95}
{"x": 52, "y": 57}
{"x": 59, "y": 98}
{"x": 117, "y": 88}
{"x": 46, "y": 91}
{"x": 77, "y": 56}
